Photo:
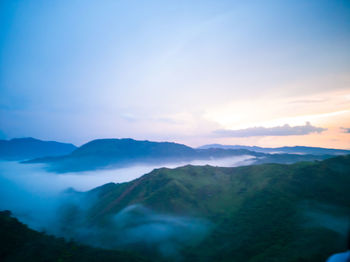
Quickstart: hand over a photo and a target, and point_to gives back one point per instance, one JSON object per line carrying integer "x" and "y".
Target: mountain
{"x": 269, "y": 212}
{"x": 105, "y": 153}
{"x": 19, "y": 243}
{"x": 288, "y": 158}
{"x": 29, "y": 148}
{"x": 114, "y": 153}
{"x": 286, "y": 149}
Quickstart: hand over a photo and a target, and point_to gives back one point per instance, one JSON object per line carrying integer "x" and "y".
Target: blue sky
{"x": 175, "y": 70}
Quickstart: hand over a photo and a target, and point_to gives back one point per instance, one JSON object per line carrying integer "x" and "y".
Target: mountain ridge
{"x": 258, "y": 212}
{"x": 29, "y": 148}
{"x": 284, "y": 149}
{"x": 104, "y": 153}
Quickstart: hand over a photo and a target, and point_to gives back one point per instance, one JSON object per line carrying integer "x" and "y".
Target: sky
{"x": 266, "y": 73}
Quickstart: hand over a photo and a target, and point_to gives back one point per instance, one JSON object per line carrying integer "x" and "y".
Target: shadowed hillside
{"x": 269, "y": 212}
{"x": 19, "y": 243}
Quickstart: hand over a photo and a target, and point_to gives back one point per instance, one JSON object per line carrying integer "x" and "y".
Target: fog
{"x": 138, "y": 227}
{"x": 37, "y": 197}
{"x": 35, "y": 177}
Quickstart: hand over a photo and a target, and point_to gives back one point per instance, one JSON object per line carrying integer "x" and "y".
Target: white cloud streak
{"x": 285, "y": 130}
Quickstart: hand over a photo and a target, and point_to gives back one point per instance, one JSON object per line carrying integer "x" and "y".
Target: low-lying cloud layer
{"x": 65, "y": 214}
{"x": 138, "y": 227}
{"x": 41, "y": 200}
{"x": 285, "y": 130}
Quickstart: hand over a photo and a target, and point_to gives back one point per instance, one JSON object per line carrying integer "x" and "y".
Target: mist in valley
{"x": 41, "y": 199}
{"x": 36, "y": 178}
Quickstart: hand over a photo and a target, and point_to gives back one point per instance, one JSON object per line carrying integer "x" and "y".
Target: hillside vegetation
{"x": 19, "y": 243}
{"x": 269, "y": 212}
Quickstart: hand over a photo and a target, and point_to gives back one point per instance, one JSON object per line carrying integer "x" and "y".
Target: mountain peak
{"x": 29, "y": 147}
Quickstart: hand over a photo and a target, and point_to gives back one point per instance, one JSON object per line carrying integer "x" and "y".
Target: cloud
{"x": 345, "y": 129}
{"x": 165, "y": 233}
{"x": 285, "y": 130}
{"x": 309, "y": 101}
{"x": 41, "y": 201}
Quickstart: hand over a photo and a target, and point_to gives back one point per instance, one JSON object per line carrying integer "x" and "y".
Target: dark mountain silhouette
{"x": 19, "y": 243}
{"x": 105, "y": 153}
{"x": 29, "y": 148}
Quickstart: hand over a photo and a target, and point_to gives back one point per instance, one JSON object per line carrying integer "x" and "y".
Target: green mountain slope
{"x": 19, "y": 243}
{"x": 269, "y": 212}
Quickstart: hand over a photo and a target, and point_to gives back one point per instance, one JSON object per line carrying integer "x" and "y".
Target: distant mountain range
{"x": 29, "y": 148}
{"x": 285, "y": 149}
{"x": 105, "y": 153}
{"x": 114, "y": 153}
{"x": 268, "y": 212}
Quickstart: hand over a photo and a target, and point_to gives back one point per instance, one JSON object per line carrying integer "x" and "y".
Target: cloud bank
{"x": 136, "y": 227}
{"x": 285, "y": 130}
{"x": 43, "y": 202}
